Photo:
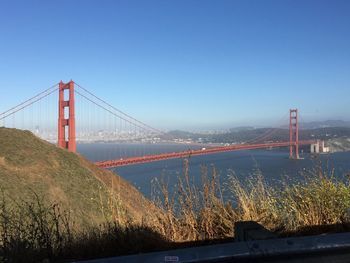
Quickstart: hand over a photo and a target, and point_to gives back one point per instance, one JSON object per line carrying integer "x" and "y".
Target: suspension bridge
{"x": 83, "y": 117}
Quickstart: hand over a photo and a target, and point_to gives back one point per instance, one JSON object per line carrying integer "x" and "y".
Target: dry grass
{"x": 199, "y": 213}
{"x": 33, "y": 232}
{"x": 254, "y": 200}
{"x": 194, "y": 213}
{"x": 319, "y": 199}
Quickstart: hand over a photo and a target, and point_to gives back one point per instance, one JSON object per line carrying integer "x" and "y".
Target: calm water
{"x": 274, "y": 164}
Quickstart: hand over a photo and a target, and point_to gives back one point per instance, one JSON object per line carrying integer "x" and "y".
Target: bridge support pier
{"x": 66, "y": 121}
{"x": 293, "y": 134}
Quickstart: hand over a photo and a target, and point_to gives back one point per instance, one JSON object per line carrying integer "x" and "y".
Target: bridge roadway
{"x": 188, "y": 153}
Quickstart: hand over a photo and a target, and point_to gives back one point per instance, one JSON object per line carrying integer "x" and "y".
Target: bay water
{"x": 274, "y": 165}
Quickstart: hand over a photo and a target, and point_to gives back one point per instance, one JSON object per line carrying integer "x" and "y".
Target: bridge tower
{"x": 293, "y": 134}
{"x": 66, "y": 119}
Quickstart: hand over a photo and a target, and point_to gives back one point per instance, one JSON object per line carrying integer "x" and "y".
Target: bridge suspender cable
{"x": 121, "y": 112}
{"x": 266, "y": 134}
{"x": 39, "y": 94}
{"x": 28, "y": 102}
{"x": 111, "y": 112}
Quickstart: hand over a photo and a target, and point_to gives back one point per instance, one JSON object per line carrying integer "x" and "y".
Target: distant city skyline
{"x": 189, "y": 65}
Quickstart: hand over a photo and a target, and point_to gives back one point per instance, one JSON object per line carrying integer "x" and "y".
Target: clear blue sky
{"x": 184, "y": 64}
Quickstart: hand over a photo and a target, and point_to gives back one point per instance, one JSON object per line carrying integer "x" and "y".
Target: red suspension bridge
{"x": 98, "y": 120}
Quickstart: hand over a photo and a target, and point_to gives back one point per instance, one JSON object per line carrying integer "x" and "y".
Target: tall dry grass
{"x": 319, "y": 198}
{"x": 29, "y": 229}
{"x": 199, "y": 212}
{"x": 36, "y": 232}
{"x": 194, "y": 212}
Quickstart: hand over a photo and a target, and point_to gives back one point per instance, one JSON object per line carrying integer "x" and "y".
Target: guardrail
{"x": 320, "y": 248}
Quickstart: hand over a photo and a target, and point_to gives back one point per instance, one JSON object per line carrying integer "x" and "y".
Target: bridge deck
{"x": 183, "y": 154}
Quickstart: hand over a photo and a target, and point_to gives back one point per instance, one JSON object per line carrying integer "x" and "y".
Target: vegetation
{"x": 192, "y": 213}
{"x": 320, "y": 199}
{"x": 33, "y": 232}
{"x": 195, "y": 213}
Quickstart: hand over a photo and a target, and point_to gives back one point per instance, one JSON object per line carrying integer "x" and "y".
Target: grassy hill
{"x": 30, "y": 166}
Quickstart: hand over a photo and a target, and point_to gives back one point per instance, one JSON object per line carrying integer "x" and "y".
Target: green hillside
{"x": 30, "y": 166}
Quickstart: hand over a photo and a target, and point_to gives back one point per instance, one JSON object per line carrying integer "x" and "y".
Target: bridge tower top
{"x": 66, "y": 120}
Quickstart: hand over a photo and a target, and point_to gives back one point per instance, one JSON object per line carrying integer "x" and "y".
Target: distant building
{"x": 319, "y": 147}
{"x": 315, "y": 147}
{"x": 323, "y": 148}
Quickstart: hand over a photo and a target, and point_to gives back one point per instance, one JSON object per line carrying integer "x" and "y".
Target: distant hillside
{"x": 279, "y": 134}
{"x": 242, "y": 128}
{"x": 29, "y": 164}
{"x": 324, "y": 124}
{"x": 339, "y": 144}
{"x": 182, "y": 134}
